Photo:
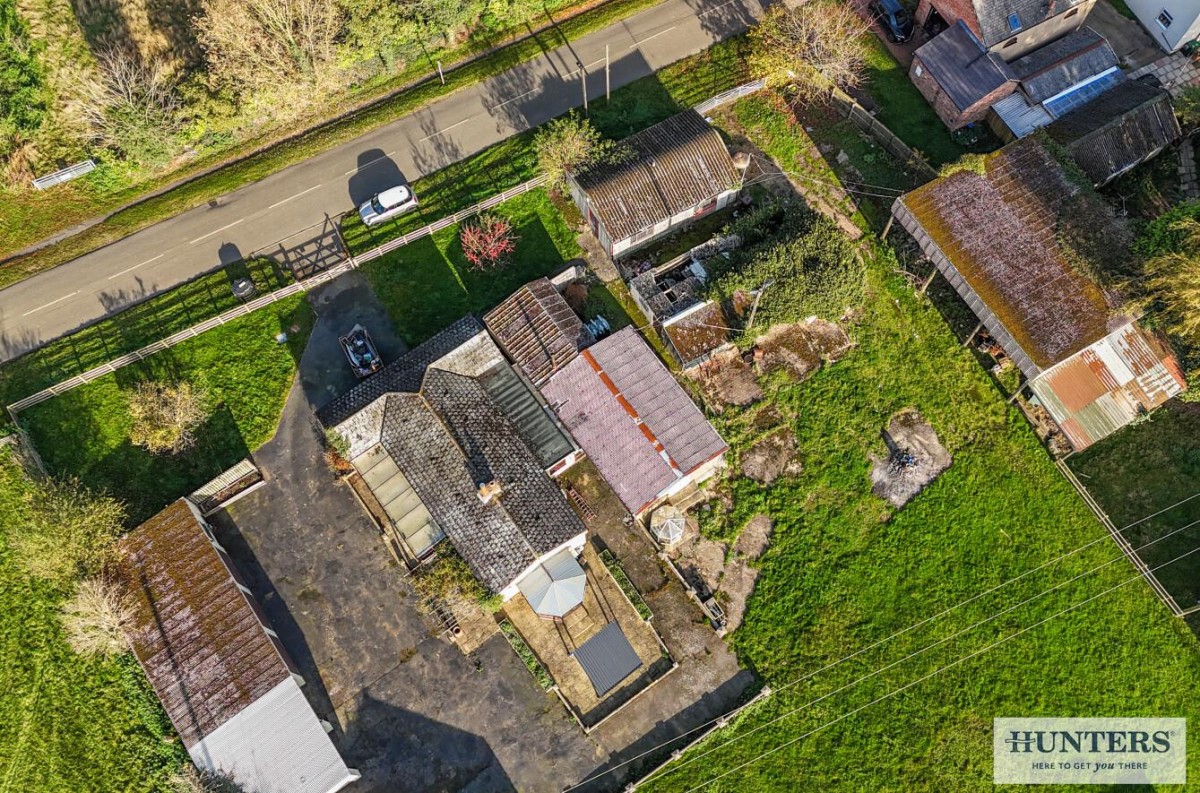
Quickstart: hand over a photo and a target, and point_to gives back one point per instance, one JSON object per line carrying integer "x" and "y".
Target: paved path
{"x": 297, "y": 199}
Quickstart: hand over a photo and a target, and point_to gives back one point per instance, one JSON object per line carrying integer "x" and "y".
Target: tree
{"x": 255, "y": 44}
{"x": 488, "y": 241}
{"x": 1173, "y": 279}
{"x": 70, "y": 531}
{"x": 379, "y": 29}
{"x": 129, "y": 105}
{"x": 96, "y": 618}
{"x": 810, "y": 48}
{"x": 165, "y": 416}
{"x": 569, "y": 145}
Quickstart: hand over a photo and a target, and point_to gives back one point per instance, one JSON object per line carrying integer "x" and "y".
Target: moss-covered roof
{"x": 1001, "y": 230}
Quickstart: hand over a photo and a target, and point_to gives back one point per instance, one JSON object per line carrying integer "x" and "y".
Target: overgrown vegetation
{"x": 618, "y": 574}
{"x": 451, "y": 581}
{"x": 567, "y": 144}
{"x": 165, "y": 416}
{"x": 246, "y": 373}
{"x": 526, "y": 655}
{"x": 96, "y": 618}
{"x": 68, "y": 532}
{"x": 846, "y": 571}
{"x": 74, "y": 723}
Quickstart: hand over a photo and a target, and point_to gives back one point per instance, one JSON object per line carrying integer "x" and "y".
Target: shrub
{"x": 70, "y": 530}
{"x": 450, "y": 580}
{"x": 488, "y": 241}
{"x": 189, "y": 779}
{"x": 96, "y": 617}
{"x": 165, "y": 416}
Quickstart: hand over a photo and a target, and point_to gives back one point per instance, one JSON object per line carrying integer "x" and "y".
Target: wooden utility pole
{"x": 607, "y": 81}
{"x": 754, "y": 309}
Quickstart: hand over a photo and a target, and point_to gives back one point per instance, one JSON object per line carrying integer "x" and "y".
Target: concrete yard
{"x": 411, "y": 711}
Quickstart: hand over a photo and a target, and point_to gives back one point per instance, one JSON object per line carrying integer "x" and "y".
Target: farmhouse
{"x": 219, "y": 670}
{"x": 453, "y": 445}
{"x": 661, "y": 179}
{"x": 999, "y": 238}
{"x": 641, "y": 429}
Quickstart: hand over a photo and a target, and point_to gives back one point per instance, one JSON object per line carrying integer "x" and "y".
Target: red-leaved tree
{"x": 488, "y": 241}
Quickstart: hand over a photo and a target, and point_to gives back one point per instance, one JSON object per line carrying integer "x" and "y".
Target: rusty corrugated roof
{"x": 196, "y": 635}
{"x": 697, "y": 331}
{"x": 670, "y": 167}
{"x": 1109, "y": 383}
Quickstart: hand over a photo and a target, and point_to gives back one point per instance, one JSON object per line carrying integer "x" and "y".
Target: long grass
{"x": 846, "y": 570}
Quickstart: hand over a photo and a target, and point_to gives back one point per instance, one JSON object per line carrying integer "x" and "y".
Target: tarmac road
{"x": 291, "y": 205}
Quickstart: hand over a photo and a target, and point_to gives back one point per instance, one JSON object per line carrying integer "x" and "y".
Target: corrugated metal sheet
{"x": 196, "y": 634}
{"x": 276, "y": 745}
{"x": 1108, "y": 384}
{"x": 670, "y": 167}
{"x": 607, "y": 658}
{"x": 1019, "y": 116}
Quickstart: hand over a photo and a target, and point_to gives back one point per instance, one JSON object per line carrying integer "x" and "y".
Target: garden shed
{"x": 660, "y": 179}
{"x": 538, "y": 331}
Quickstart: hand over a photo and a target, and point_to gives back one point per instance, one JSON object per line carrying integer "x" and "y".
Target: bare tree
{"x": 70, "y": 530}
{"x": 96, "y": 618}
{"x": 165, "y": 416}
{"x": 256, "y": 44}
{"x": 811, "y": 48}
{"x": 129, "y": 105}
{"x": 568, "y": 144}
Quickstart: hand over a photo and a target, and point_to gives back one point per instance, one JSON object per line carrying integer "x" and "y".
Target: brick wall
{"x": 951, "y": 11}
{"x": 947, "y": 111}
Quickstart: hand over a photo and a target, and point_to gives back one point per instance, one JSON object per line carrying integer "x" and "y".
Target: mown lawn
{"x": 1146, "y": 468}
{"x": 70, "y": 724}
{"x": 135, "y": 327}
{"x": 903, "y": 110}
{"x": 845, "y": 571}
{"x": 246, "y": 375}
{"x": 428, "y": 284}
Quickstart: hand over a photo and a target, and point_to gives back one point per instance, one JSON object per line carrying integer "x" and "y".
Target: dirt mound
{"x": 915, "y": 458}
{"x": 800, "y": 348}
{"x": 727, "y": 379}
{"x": 714, "y": 572}
{"x": 771, "y": 457}
{"x": 755, "y": 538}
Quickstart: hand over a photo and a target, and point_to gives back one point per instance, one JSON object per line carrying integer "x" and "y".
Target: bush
{"x": 488, "y": 241}
{"x": 450, "y": 580}
{"x": 165, "y": 416}
{"x": 70, "y": 530}
{"x": 96, "y": 617}
{"x": 189, "y": 779}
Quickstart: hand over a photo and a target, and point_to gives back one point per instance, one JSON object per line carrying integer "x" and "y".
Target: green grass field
{"x": 845, "y": 570}
{"x": 428, "y": 284}
{"x": 70, "y": 724}
{"x": 134, "y": 328}
{"x": 246, "y": 375}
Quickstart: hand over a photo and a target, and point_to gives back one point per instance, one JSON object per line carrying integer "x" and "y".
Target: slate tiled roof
{"x": 957, "y": 61}
{"x": 632, "y": 418}
{"x": 538, "y": 330}
{"x": 1063, "y": 63}
{"x": 194, "y": 632}
{"x": 451, "y": 438}
{"x": 1118, "y": 130}
{"x": 403, "y": 374}
{"x": 993, "y": 16}
{"x": 995, "y": 237}
{"x": 672, "y": 166}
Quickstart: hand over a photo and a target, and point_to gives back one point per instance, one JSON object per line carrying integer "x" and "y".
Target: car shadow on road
{"x": 376, "y": 171}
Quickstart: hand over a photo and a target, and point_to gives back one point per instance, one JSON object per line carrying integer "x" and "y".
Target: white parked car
{"x": 393, "y": 202}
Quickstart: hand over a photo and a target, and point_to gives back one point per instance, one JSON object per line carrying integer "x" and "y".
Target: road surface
{"x": 292, "y": 204}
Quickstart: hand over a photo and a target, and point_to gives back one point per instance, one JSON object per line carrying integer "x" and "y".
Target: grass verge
{"x": 23, "y": 227}
{"x": 246, "y": 375}
{"x": 145, "y": 323}
{"x": 845, "y": 570}
{"x": 72, "y": 723}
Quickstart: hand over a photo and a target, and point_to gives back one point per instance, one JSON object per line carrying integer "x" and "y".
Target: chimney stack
{"x": 489, "y": 491}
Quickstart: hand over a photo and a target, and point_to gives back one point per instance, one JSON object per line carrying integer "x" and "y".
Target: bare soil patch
{"x": 800, "y": 348}
{"x": 713, "y": 571}
{"x": 727, "y": 379}
{"x": 772, "y": 457}
{"x": 915, "y": 458}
